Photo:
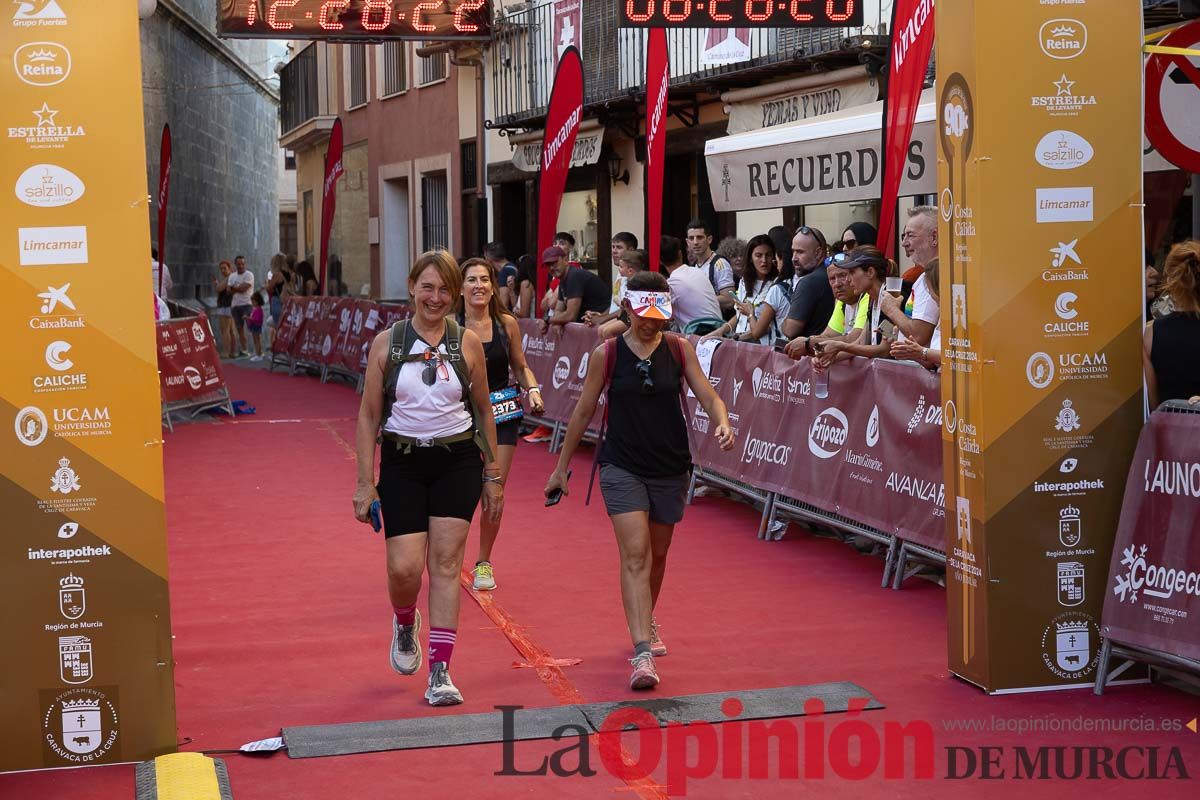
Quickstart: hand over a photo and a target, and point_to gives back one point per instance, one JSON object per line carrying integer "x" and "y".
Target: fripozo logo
{"x": 1039, "y": 370}
{"x": 193, "y": 376}
{"x": 1063, "y": 38}
{"x": 42, "y": 63}
{"x": 829, "y": 429}
{"x": 1063, "y": 150}
{"x": 562, "y": 372}
{"x": 48, "y": 186}
{"x": 31, "y": 426}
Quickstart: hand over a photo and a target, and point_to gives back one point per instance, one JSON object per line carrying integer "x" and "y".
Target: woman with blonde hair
{"x": 223, "y": 312}
{"x": 1171, "y": 344}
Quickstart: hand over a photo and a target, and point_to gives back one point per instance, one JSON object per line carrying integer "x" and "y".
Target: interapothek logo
{"x": 42, "y": 63}
{"x": 38, "y": 13}
{"x": 1063, "y": 38}
{"x": 48, "y": 186}
{"x": 60, "y": 245}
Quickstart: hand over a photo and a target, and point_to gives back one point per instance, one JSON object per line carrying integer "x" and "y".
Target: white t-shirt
{"x": 167, "y": 283}
{"x": 936, "y": 342}
{"x": 925, "y": 308}
{"x": 618, "y": 293}
{"x": 781, "y": 302}
{"x": 692, "y": 296}
{"x": 722, "y": 273}
{"x": 421, "y": 411}
{"x": 237, "y": 281}
{"x": 744, "y": 323}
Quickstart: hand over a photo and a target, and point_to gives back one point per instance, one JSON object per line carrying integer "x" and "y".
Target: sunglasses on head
{"x": 643, "y": 370}
{"x": 813, "y": 232}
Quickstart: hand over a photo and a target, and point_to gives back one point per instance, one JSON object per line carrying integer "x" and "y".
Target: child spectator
{"x": 254, "y": 323}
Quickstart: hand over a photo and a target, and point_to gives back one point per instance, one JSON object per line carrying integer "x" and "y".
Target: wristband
{"x": 493, "y": 479}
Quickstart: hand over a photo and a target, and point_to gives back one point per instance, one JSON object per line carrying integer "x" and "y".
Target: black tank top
{"x": 495, "y": 355}
{"x": 1175, "y": 355}
{"x": 647, "y": 434}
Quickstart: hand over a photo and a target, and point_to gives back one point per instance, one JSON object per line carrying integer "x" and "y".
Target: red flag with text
{"x": 912, "y": 44}
{"x": 164, "y": 184}
{"x": 558, "y": 142}
{"x": 333, "y": 171}
{"x": 658, "y": 76}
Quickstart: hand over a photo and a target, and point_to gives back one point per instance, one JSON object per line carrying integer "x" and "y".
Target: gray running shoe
{"x": 442, "y": 691}
{"x": 406, "y": 650}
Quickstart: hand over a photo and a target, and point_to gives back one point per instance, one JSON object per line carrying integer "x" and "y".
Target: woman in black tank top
{"x": 479, "y": 310}
{"x": 645, "y": 456}
{"x": 1171, "y": 345}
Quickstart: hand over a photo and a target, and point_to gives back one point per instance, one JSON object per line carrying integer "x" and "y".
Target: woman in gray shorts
{"x": 645, "y": 458}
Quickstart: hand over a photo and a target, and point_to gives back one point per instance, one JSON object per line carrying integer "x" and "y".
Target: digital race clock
{"x": 741, "y": 13}
{"x": 355, "y": 19}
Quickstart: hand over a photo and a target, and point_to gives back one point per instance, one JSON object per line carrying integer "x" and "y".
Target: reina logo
{"x": 42, "y": 63}
{"x": 1063, "y": 38}
{"x": 38, "y": 13}
{"x": 48, "y": 186}
{"x": 1063, "y": 150}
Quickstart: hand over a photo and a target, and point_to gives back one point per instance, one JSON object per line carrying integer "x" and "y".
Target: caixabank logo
{"x": 80, "y": 726}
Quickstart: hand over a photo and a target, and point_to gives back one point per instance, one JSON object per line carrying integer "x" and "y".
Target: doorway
{"x": 394, "y": 238}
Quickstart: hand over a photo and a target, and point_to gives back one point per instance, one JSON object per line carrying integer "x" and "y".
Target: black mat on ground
{"x": 540, "y": 723}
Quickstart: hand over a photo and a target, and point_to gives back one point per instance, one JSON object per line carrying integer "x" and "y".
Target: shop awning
{"x": 828, "y": 159}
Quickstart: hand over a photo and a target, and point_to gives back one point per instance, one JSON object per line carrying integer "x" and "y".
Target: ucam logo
{"x": 42, "y": 63}
{"x": 48, "y": 186}
{"x": 1063, "y": 38}
{"x": 829, "y": 428}
{"x": 60, "y": 245}
{"x": 1039, "y": 370}
{"x": 1065, "y": 204}
{"x": 31, "y": 426}
{"x": 562, "y": 371}
{"x": 1063, "y": 150}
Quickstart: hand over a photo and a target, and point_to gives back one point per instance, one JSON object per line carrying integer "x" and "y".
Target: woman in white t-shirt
{"x": 755, "y": 318}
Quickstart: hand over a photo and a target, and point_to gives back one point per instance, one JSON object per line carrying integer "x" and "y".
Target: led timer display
{"x": 741, "y": 13}
{"x": 354, "y": 19}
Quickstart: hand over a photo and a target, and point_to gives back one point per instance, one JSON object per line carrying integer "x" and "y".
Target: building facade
{"x": 222, "y": 107}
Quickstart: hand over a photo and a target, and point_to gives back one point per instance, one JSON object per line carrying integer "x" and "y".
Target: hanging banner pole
{"x": 164, "y": 185}
{"x": 558, "y": 142}
{"x": 658, "y": 79}
{"x": 333, "y": 171}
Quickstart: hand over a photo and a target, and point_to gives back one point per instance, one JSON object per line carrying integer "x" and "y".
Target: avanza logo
{"x": 42, "y": 63}
{"x": 829, "y": 428}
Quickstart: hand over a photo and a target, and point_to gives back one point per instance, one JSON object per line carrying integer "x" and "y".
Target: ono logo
{"x": 829, "y": 428}
{"x": 562, "y": 371}
{"x": 873, "y": 428}
{"x": 581, "y": 373}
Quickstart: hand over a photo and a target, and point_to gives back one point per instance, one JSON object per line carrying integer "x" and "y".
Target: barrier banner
{"x": 1152, "y": 599}
{"x": 1039, "y": 167}
{"x": 559, "y": 359}
{"x": 356, "y": 338}
{"x": 870, "y": 451}
{"x": 88, "y": 674}
{"x": 290, "y": 326}
{"x": 315, "y": 341}
{"x": 188, "y": 364}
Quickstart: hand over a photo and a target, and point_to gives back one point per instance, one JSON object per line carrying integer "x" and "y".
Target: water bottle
{"x": 821, "y": 384}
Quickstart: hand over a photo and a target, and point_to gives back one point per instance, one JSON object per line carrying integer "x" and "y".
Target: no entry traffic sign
{"x": 1173, "y": 99}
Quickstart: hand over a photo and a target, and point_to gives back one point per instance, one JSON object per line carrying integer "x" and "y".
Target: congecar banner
{"x": 1040, "y": 251}
{"x": 88, "y": 670}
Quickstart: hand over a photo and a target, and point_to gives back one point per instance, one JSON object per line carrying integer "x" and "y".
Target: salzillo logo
{"x": 44, "y": 246}
{"x": 1063, "y": 150}
{"x": 830, "y": 427}
{"x": 1039, "y": 370}
{"x": 562, "y": 371}
{"x": 1063, "y": 38}
{"x": 42, "y": 63}
{"x": 1152, "y": 580}
{"x": 1065, "y": 204}
{"x": 48, "y": 186}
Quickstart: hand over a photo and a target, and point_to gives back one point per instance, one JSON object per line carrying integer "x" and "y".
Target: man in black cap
{"x": 579, "y": 291}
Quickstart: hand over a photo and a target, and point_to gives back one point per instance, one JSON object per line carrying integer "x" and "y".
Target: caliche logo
{"x": 31, "y": 426}
{"x": 1064, "y": 308}
{"x": 1063, "y": 38}
{"x": 34, "y": 13}
{"x": 829, "y": 428}
{"x": 1065, "y": 204}
{"x": 79, "y": 725}
{"x": 1067, "y": 645}
{"x": 48, "y": 186}
{"x": 1063, "y": 150}
{"x": 1064, "y": 305}
{"x": 72, "y": 601}
{"x": 873, "y": 427}
{"x": 56, "y": 356}
{"x": 193, "y": 376}
{"x": 42, "y": 63}
{"x": 1039, "y": 370}
{"x": 562, "y": 372}
{"x": 62, "y": 245}
{"x": 1153, "y": 580}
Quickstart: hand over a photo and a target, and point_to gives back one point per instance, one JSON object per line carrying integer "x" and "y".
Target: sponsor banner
{"x": 559, "y": 359}
{"x": 568, "y": 25}
{"x": 333, "y": 331}
{"x": 1041, "y": 387}
{"x": 164, "y": 186}
{"x": 911, "y": 45}
{"x": 563, "y": 116}
{"x": 658, "y": 79}
{"x": 527, "y": 155}
{"x": 798, "y": 105}
{"x": 1152, "y": 598}
{"x": 84, "y": 601}
{"x": 290, "y": 325}
{"x": 333, "y": 171}
{"x": 189, "y": 367}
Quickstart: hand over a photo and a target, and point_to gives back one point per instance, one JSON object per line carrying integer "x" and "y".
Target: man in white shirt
{"x": 241, "y": 283}
{"x": 921, "y": 245}
{"x": 155, "y": 266}
{"x": 692, "y": 296}
{"x": 716, "y": 269}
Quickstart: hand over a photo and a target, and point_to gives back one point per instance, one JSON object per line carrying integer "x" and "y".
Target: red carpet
{"x": 281, "y": 618}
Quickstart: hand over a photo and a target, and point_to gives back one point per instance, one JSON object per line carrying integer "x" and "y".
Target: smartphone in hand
{"x": 553, "y": 498}
{"x": 376, "y": 517}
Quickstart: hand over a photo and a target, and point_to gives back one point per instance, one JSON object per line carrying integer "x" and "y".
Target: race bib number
{"x": 506, "y": 404}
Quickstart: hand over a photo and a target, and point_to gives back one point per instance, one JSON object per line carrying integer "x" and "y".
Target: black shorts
{"x": 428, "y": 482}
{"x": 506, "y": 432}
{"x": 239, "y": 314}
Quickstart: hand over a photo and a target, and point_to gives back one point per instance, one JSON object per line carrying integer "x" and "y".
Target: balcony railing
{"x": 299, "y": 99}
{"x": 523, "y": 55}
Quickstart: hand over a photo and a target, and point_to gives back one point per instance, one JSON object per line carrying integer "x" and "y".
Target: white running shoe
{"x": 645, "y": 676}
{"x": 406, "y": 650}
{"x": 442, "y": 691}
{"x": 657, "y": 648}
{"x": 484, "y": 579}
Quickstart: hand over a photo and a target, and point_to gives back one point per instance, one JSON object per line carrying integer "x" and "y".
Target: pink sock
{"x": 406, "y": 615}
{"x": 441, "y": 645}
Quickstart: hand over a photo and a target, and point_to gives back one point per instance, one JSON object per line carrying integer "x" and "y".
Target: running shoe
{"x": 645, "y": 676}
{"x": 442, "y": 691}
{"x": 657, "y": 648}
{"x": 484, "y": 579}
{"x": 406, "y": 650}
{"x": 540, "y": 434}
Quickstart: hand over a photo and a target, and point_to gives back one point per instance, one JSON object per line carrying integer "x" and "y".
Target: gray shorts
{"x": 623, "y": 492}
